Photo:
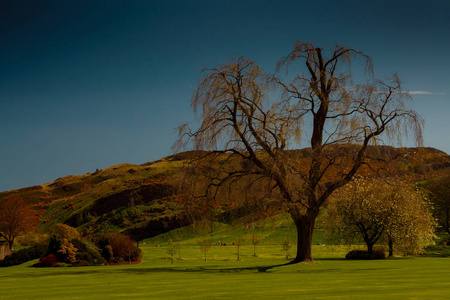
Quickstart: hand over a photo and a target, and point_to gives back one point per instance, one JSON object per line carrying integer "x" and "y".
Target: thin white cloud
{"x": 425, "y": 93}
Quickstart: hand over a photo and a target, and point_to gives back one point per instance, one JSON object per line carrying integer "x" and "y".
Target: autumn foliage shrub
{"x": 363, "y": 254}
{"x": 117, "y": 247}
{"x": 69, "y": 250}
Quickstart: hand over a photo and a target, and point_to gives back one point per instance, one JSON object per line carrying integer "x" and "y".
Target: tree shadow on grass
{"x": 149, "y": 270}
{"x": 217, "y": 269}
{"x": 208, "y": 269}
{"x": 137, "y": 270}
{"x": 52, "y": 272}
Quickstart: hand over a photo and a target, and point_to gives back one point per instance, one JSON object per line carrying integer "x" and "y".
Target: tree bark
{"x": 391, "y": 248}
{"x": 447, "y": 221}
{"x": 10, "y": 243}
{"x": 305, "y": 228}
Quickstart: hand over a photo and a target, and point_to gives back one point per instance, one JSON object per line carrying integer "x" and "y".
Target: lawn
{"x": 222, "y": 277}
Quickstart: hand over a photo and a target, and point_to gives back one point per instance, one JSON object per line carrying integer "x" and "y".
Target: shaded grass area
{"x": 271, "y": 231}
{"x": 222, "y": 277}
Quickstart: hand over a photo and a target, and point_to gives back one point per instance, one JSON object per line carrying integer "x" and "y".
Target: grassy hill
{"x": 111, "y": 199}
{"x": 142, "y": 199}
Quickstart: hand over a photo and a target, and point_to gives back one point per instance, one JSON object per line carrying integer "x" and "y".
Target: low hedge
{"x": 364, "y": 254}
{"x": 24, "y": 255}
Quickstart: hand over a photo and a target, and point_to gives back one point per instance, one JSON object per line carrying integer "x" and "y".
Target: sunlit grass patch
{"x": 263, "y": 277}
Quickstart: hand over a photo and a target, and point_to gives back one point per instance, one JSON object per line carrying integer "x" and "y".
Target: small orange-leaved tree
{"x": 16, "y": 218}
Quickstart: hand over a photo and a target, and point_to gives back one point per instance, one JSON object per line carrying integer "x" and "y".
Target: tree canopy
{"x": 440, "y": 196}
{"x": 376, "y": 210}
{"x": 16, "y": 218}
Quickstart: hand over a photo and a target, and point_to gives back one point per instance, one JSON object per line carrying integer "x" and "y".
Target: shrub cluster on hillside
{"x": 67, "y": 248}
{"x": 76, "y": 252}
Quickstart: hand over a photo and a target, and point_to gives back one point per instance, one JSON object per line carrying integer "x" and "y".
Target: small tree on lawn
{"x": 238, "y": 243}
{"x": 375, "y": 209}
{"x": 286, "y": 246}
{"x": 202, "y": 228}
{"x": 179, "y": 247}
{"x": 204, "y": 244}
{"x": 178, "y": 239}
{"x": 411, "y": 226}
{"x": 171, "y": 249}
{"x": 255, "y": 241}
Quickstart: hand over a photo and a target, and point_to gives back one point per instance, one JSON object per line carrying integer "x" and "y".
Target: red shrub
{"x": 49, "y": 261}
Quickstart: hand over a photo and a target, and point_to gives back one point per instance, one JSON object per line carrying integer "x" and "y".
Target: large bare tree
{"x": 320, "y": 106}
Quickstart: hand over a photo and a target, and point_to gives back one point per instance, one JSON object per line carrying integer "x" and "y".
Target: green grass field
{"x": 222, "y": 277}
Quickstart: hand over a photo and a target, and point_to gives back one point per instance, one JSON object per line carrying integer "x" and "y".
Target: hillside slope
{"x": 142, "y": 200}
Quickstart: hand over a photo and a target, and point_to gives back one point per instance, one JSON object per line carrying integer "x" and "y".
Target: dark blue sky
{"x": 90, "y": 84}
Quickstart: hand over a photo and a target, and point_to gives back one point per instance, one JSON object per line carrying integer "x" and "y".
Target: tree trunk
{"x": 370, "y": 238}
{"x": 10, "y": 243}
{"x": 391, "y": 248}
{"x": 447, "y": 221}
{"x": 238, "y": 253}
{"x": 305, "y": 227}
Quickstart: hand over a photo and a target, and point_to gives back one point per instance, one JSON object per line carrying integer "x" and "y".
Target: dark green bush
{"x": 437, "y": 251}
{"x": 24, "y": 255}
{"x": 61, "y": 265}
{"x": 82, "y": 263}
{"x": 54, "y": 246}
{"x": 136, "y": 254}
{"x": 107, "y": 252}
{"x": 88, "y": 253}
{"x": 363, "y": 254}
